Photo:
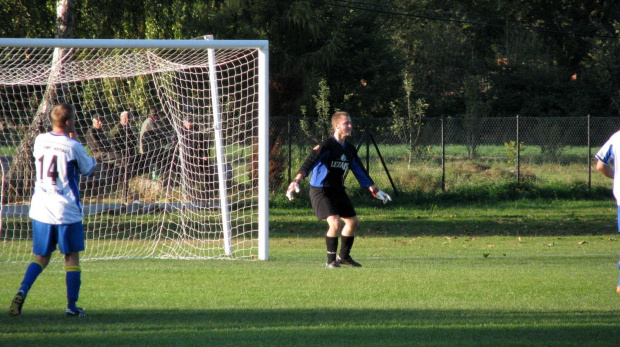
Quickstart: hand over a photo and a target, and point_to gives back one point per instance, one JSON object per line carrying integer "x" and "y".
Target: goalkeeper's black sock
{"x": 332, "y": 248}
{"x": 345, "y": 249}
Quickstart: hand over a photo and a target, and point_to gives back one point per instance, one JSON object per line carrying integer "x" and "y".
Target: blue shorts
{"x": 68, "y": 237}
{"x": 618, "y": 218}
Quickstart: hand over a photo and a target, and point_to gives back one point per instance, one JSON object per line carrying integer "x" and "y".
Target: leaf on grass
{"x": 583, "y": 242}
{"x": 549, "y": 244}
{"x": 486, "y": 255}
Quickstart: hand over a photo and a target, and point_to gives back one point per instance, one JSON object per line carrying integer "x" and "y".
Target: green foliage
{"x": 511, "y": 151}
{"x": 364, "y": 53}
{"x": 323, "y": 107}
{"x": 27, "y": 18}
{"x": 541, "y": 92}
{"x": 407, "y": 124}
{"x": 320, "y": 127}
{"x": 477, "y": 107}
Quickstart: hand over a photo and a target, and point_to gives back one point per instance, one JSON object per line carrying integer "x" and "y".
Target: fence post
{"x": 518, "y": 154}
{"x": 367, "y": 144}
{"x": 290, "y": 156}
{"x": 589, "y": 158}
{"x": 443, "y": 157}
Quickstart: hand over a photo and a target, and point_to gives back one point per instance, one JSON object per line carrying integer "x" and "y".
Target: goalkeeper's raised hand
{"x": 292, "y": 189}
{"x": 379, "y": 194}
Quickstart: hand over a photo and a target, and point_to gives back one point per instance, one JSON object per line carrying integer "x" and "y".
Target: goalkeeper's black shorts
{"x": 330, "y": 202}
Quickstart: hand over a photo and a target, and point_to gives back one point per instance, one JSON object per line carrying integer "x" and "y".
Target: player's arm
{"x": 298, "y": 177}
{"x": 306, "y": 167}
{"x": 86, "y": 164}
{"x": 364, "y": 180}
{"x": 360, "y": 173}
{"x": 605, "y": 169}
{"x": 311, "y": 161}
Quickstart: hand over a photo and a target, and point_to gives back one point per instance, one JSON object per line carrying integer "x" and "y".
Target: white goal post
{"x": 179, "y": 129}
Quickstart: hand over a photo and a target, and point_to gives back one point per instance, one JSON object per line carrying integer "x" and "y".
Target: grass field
{"x": 515, "y": 273}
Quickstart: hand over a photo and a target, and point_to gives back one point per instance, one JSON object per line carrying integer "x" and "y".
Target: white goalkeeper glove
{"x": 292, "y": 188}
{"x": 379, "y": 194}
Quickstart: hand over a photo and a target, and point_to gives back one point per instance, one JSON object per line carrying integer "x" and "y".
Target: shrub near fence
{"x": 454, "y": 152}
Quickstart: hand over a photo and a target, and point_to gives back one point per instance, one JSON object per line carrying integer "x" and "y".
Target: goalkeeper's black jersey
{"x": 329, "y": 161}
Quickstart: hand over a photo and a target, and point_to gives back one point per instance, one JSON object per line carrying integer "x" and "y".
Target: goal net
{"x": 179, "y": 132}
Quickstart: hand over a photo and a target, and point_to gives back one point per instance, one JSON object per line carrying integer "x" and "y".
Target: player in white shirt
{"x": 605, "y": 155}
{"x": 55, "y": 209}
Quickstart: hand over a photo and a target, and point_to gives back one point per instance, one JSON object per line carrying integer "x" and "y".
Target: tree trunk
{"x": 19, "y": 179}
{"x": 65, "y": 19}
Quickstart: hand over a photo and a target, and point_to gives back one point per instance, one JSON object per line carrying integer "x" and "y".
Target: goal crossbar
{"x": 261, "y": 45}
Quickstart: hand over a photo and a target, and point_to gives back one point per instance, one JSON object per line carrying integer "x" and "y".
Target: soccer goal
{"x": 179, "y": 129}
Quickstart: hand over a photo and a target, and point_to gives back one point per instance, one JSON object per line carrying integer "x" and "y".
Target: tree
{"x": 65, "y": 19}
{"x": 477, "y": 108}
{"x": 22, "y": 165}
{"x": 322, "y": 126}
{"x": 408, "y": 123}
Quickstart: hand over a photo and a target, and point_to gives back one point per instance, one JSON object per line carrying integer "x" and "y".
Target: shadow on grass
{"x": 471, "y": 194}
{"x": 414, "y": 227}
{"x": 284, "y": 327}
{"x": 405, "y": 217}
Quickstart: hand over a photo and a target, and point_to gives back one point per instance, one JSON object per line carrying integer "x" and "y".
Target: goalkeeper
{"x": 328, "y": 163}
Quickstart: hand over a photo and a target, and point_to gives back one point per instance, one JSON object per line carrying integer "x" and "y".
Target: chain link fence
{"x": 442, "y": 154}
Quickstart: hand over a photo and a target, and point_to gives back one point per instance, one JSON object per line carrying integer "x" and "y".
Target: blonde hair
{"x": 61, "y": 114}
{"x": 336, "y": 117}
